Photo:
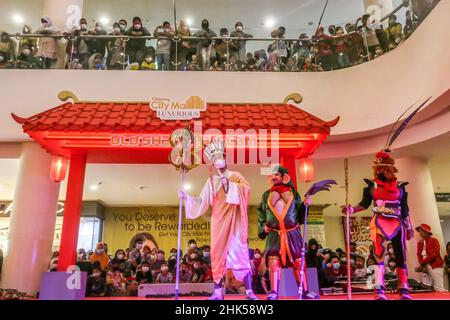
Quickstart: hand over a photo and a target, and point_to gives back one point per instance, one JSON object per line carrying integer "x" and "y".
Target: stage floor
{"x": 416, "y": 296}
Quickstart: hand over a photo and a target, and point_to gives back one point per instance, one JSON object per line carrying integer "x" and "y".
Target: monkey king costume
{"x": 390, "y": 221}
{"x": 280, "y": 214}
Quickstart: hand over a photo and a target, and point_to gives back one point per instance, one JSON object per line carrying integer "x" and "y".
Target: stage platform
{"x": 416, "y": 296}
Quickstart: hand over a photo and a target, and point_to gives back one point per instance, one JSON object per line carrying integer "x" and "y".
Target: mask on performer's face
{"x": 381, "y": 176}
{"x": 220, "y": 163}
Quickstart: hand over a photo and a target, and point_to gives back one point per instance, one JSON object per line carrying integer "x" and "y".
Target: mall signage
{"x": 168, "y": 109}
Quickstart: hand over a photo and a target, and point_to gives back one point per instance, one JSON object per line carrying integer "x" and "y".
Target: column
{"x": 32, "y": 224}
{"x": 378, "y": 9}
{"x": 422, "y": 205}
{"x": 72, "y": 212}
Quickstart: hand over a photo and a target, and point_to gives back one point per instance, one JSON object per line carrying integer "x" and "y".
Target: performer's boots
{"x": 274, "y": 272}
{"x": 217, "y": 295}
{"x": 379, "y": 288}
{"x": 403, "y": 287}
{"x": 250, "y": 295}
{"x": 305, "y": 294}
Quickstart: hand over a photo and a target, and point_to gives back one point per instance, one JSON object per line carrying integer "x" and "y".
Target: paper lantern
{"x": 306, "y": 169}
{"x": 58, "y": 169}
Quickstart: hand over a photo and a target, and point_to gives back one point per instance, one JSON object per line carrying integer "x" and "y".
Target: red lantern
{"x": 58, "y": 169}
{"x": 306, "y": 169}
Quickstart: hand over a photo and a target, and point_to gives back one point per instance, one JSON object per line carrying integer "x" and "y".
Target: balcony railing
{"x": 122, "y": 51}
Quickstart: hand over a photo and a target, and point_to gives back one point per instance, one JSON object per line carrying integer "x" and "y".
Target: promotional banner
{"x": 360, "y": 233}
{"x": 157, "y": 226}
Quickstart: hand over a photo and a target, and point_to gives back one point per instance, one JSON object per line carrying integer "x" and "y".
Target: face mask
{"x": 26, "y": 52}
{"x": 139, "y": 246}
{"x": 381, "y": 177}
{"x": 100, "y": 251}
{"x": 137, "y": 26}
{"x": 123, "y": 27}
{"x": 173, "y": 254}
{"x": 336, "y": 266}
{"x": 192, "y": 246}
{"x": 2, "y": 58}
{"x": 196, "y": 266}
{"x": 44, "y": 24}
{"x": 192, "y": 256}
{"x": 116, "y": 30}
{"x": 83, "y": 26}
{"x": 98, "y": 28}
{"x": 257, "y": 256}
{"x": 97, "y": 274}
{"x": 206, "y": 254}
{"x": 220, "y": 163}
{"x": 160, "y": 257}
{"x": 120, "y": 256}
{"x": 152, "y": 257}
{"x": 239, "y": 28}
{"x": 164, "y": 269}
{"x": 392, "y": 265}
{"x": 344, "y": 260}
{"x": 149, "y": 60}
{"x": 145, "y": 269}
{"x": 352, "y": 261}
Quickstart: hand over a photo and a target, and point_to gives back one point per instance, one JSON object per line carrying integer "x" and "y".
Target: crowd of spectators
{"x": 182, "y": 48}
{"x": 121, "y": 274}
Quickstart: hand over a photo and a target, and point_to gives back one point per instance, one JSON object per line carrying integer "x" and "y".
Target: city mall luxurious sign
{"x": 168, "y": 109}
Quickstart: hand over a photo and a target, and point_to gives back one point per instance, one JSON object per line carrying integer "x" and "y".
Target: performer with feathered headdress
{"x": 391, "y": 221}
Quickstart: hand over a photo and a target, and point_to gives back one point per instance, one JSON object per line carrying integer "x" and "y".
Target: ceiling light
{"x": 269, "y": 23}
{"x": 187, "y": 186}
{"x": 18, "y": 19}
{"x": 189, "y": 22}
{"x": 104, "y": 20}
{"x": 94, "y": 187}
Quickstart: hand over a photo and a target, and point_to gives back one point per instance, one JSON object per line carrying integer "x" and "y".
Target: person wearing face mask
{"x": 136, "y": 46}
{"x": 148, "y": 63}
{"x": 334, "y": 271}
{"x": 390, "y": 222}
{"x": 391, "y": 270}
{"x": 97, "y": 45}
{"x": 115, "y": 282}
{"x": 83, "y": 263}
{"x": 227, "y": 192}
{"x": 26, "y": 60}
{"x": 237, "y": 47}
{"x": 123, "y": 24}
{"x": 198, "y": 273}
{"x": 77, "y": 48}
{"x": 207, "y": 255}
{"x": 135, "y": 256}
{"x": 123, "y": 263}
{"x": 96, "y": 284}
{"x": 204, "y": 46}
{"x": 280, "y": 214}
{"x": 116, "y": 49}
{"x": 158, "y": 261}
{"x": 163, "y": 45}
{"x": 164, "y": 276}
{"x": 100, "y": 256}
{"x": 48, "y": 47}
{"x": 144, "y": 275}
{"x": 29, "y": 42}
{"x": 394, "y": 32}
{"x": 7, "y": 47}
{"x": 186, "y": 47}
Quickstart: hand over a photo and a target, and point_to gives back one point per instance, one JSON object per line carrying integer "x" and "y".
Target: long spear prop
{"x": 181, "y": 157}
{"x": 324, "y": 185}
{"x": 347, "y": 224}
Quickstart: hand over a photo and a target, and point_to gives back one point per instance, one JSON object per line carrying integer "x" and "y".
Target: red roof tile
{"x": 138, "y": 117}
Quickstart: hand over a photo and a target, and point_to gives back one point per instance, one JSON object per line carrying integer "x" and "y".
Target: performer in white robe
{"x": 228, "y": 194}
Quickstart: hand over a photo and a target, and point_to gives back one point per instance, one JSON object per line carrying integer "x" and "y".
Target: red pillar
{"x": 288, "y": 161}
{"x": 72, "y": 211}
